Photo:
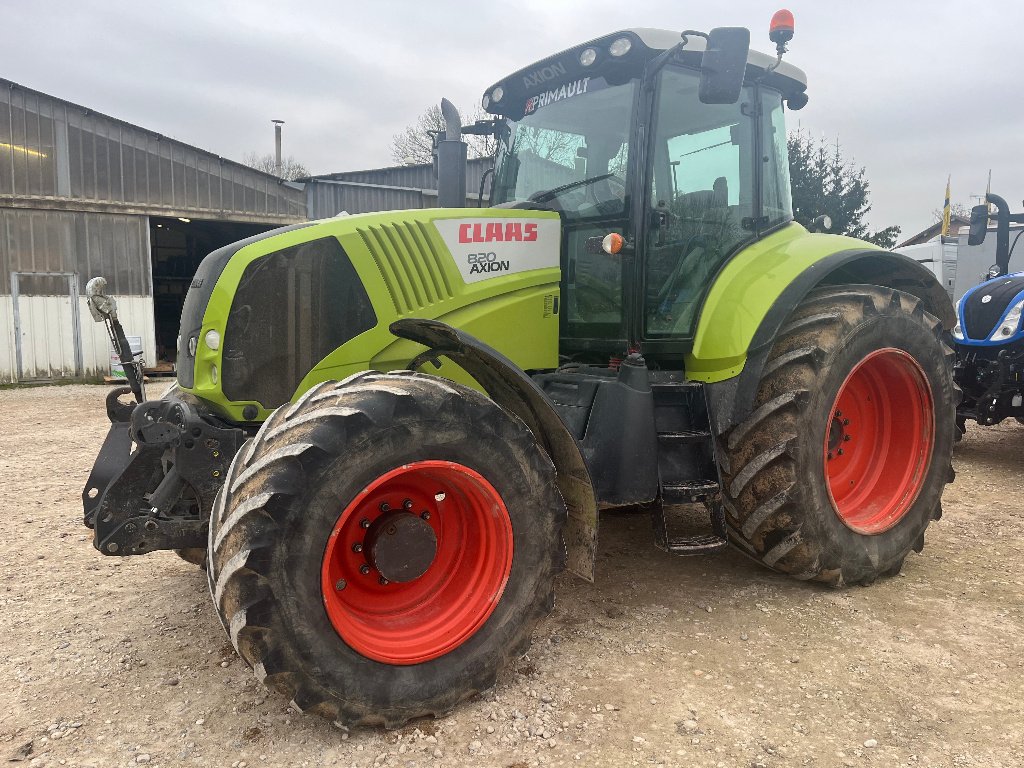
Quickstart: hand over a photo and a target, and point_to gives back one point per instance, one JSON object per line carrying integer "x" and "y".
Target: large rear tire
{"x": 841, "y": 466}
{"x": 384, "y": 546}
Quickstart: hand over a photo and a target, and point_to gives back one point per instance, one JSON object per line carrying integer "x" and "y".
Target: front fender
{"x": 510, "y": 387}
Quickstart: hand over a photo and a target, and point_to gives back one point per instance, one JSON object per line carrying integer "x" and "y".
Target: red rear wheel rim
{"x": 878, "y": 441}
{"x": 463, "y": 574}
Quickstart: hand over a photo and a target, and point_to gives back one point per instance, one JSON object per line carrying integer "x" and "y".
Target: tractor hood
{"x": 267, "y": 317}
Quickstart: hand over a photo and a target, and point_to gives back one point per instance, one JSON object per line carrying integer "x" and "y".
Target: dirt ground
{"x": 708, "y": 661}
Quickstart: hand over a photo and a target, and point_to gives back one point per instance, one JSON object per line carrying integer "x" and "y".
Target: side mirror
{"x": 723, "y": 65}
{"x": 979, "y": 225}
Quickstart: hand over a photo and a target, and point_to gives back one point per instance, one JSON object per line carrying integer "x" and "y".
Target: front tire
{"x": 840, "y": 468}
{"x": 384, "y": 546}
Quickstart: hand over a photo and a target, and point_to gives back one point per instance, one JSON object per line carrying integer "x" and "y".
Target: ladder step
{"x": 687, "y": 436}
{"x": 690, "y": 492}
{"x": 695, "y": 545}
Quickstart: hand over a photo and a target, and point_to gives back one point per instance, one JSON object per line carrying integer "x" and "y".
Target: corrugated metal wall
{"x": 52, "y": 148}
{"x": 113, "y": 245}
{"x": 329, "y": 198}
{"x": 415, "y": 176}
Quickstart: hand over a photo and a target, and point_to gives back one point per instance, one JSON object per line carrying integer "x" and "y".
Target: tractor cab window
{"x": 569, "y": 152}
{"x": 776, "y": 198}
{"x": 702, "y": 198}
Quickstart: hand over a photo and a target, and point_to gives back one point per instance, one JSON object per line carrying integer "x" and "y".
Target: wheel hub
{"x": 417, "y": 562}
{"x": 401, "y": 546}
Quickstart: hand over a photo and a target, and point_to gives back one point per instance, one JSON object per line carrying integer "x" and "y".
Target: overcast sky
{"x": 912, "y": 90}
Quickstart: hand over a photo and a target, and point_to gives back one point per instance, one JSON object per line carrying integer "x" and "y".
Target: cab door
{"x": 700, "y": 200}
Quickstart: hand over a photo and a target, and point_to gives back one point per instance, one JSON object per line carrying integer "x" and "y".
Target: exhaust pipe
{"x": 450, "y": 160}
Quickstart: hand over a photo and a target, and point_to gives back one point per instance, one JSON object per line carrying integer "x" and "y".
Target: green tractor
{"x": 390, "y": 432}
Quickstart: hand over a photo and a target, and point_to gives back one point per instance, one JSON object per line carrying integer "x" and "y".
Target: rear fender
{"x": 766, "y": 282}
{"x": 512, "y": 389}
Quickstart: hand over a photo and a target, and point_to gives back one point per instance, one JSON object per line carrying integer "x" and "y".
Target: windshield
{"x": 570, "y": 149}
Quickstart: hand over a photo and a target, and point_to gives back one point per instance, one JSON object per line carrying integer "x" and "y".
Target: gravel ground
{"x": 708, "y": 661}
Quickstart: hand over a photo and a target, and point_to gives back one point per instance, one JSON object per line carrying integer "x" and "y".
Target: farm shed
{"x": 84, "y": 194}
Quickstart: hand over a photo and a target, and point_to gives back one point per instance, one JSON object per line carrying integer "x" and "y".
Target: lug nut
{"x": 830, "y": 455}
{"x": 407, "y": 504}
{"x": 365, "y": 523}
{"x": 357, "y": 547}
{"x": 216, "y": 473}
{"x": 383, "y": 582}
{"x": 385, "y": 507}
{"x": 846, "y": 422}
{"x": 364, "y": 569}
{"x": 341, "y": 584}
{"x": 425, "y": 515}
{"x": 840, "y": 451}
{"x": 839, "y": 414}
{"x": 846, "y": 438}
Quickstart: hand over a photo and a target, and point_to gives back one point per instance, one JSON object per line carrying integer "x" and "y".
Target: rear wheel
{"x": 840, "y": 468}
{"x": 384, "y": 546}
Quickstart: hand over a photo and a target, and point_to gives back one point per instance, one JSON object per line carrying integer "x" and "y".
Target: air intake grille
{"x": 410, "y": 262}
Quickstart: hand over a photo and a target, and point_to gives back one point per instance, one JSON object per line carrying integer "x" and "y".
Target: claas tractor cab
{"x": 391, "y": 431}
{"x": 988, "y": 336}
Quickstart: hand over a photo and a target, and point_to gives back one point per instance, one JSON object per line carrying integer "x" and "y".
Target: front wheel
{"x": 841, "y": 466}
{"x": 384, "y": 546}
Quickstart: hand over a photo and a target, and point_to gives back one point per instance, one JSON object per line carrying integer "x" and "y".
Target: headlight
{"x": 485, "y": 101}
{"x": 958, "y": 332}
{"x": 1010, "y": 324}
{"x": 213, "y": 339}
{"x": 498, "y": 94}
{"x": 213, "y": 374}
{"x": 588, "y": 56}
{"x": 620, "y": 47}
{"x": 193, "y": 343}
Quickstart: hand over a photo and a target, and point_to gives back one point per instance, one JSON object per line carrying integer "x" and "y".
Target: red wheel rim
{"x": 878, "y": 442}
{"x": 420, "y": 617}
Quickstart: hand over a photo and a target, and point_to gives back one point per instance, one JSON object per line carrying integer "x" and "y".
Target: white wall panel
{"x": 8, "y": 363}
{"x": 48, "y": 343}
{"x": 135, "y": 314}
{"x": 47, "y": 335}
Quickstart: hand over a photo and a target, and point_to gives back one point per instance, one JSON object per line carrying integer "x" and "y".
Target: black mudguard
{"x": 514, "y": 390}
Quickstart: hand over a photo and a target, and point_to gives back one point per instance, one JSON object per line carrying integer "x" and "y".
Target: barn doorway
{"x": 177, "y": 246}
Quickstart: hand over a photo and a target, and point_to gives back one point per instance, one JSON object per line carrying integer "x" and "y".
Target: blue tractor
{"x": 989, "y": 335}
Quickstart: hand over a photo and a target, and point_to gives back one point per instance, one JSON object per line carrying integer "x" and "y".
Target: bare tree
{"x": 413, "y": 146}
{"x": 955, "y": 209}
{"x": 291, "y": 168}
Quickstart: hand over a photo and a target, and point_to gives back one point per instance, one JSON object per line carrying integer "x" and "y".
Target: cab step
{"x": 692, "y": 544}
{"x": 692, "y": 492}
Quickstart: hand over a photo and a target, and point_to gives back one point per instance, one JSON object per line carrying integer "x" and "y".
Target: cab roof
{"x": 651, "y": 42}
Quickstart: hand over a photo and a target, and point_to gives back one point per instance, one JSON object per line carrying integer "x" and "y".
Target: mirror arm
{"x": 658, "y": 62}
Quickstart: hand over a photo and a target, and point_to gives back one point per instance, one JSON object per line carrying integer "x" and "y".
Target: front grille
{"x": 980, "y": 318}
{"x": 291, "y": 309}
{"x": 410, "y": 262}
{"x": 199, "y": 294}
